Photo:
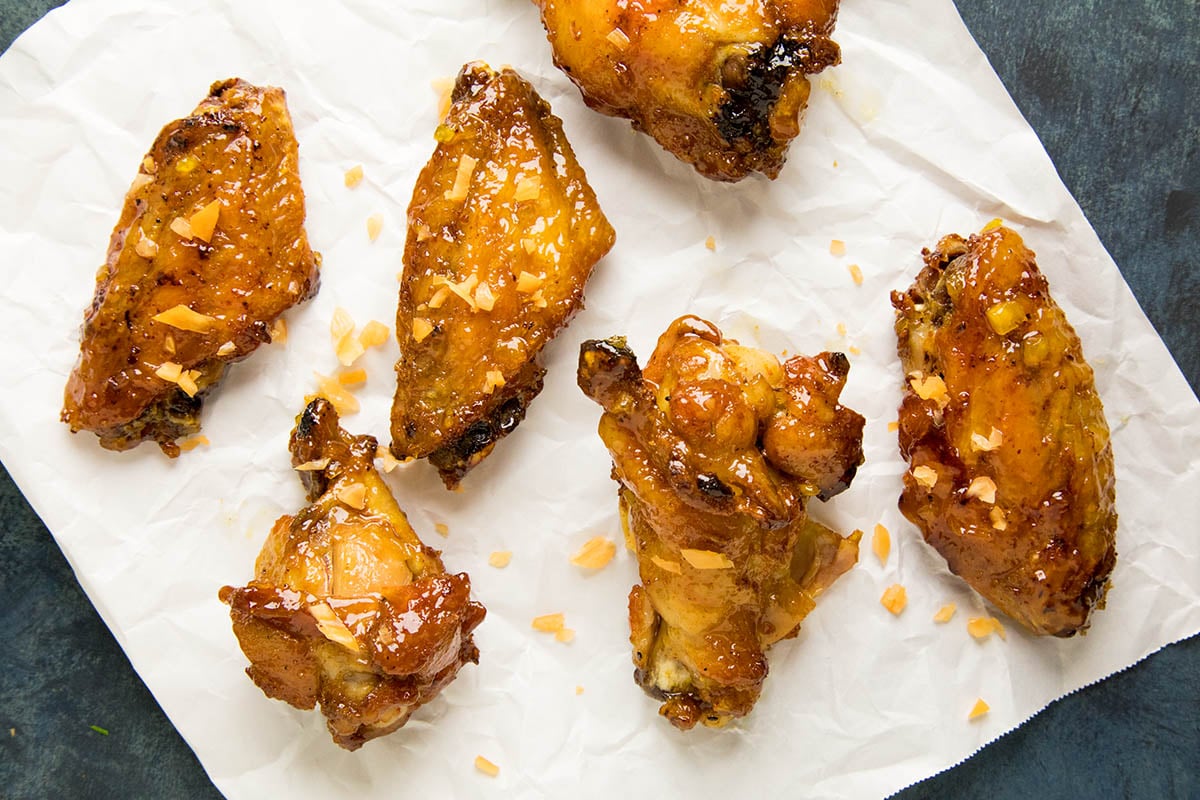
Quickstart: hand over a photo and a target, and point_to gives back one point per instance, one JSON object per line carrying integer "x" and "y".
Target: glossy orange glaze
{"x": 1045, "y": 557}
{"x": 237, "y": 148}
{"x": 722, "y": 86}
{"x": 348, "y": 609}
{"x": 686, "y": 438}
{"x": 524, "y": 207}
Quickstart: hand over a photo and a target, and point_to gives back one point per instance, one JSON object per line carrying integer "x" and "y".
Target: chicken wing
{"x": 503, "y": 232}
{"x": 348, "y": 608}
{"x": 721, "y": 86}
{"x": 210, "y": 249}
{"x": 1010, "y": 467}
{"x": 716, "y": 448}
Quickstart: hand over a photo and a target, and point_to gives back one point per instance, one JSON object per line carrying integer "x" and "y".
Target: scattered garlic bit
{"x": 192, "y": 442}
{"x": 443, "y": 88}
{"x": 500, "y": 559}
{"x": 341, "y": 325}
{"x": 595, "y": 553}
{"x": 439, "y": 297}
{"x": 312, "y": 466}
{"x": 353, "y": 495}
{"x": 279, "y": 332}
{"x": 465, "y": 289}
{"x": 146, "y": 248}
{"x": 484, "y": 299}
{"x": 169, "y": 344}
{"x": 528, "y": 188}
{"x": 1005, "y": 316}
{"x": 930, "y": 387}
{"x": 226, "y": 349}
{"x": 618, "y": 39}
{"x": 894, "y": 599}
{"x": 349, "y": 350}
{"x": 441, "y": 529}
{"x": 374, "y": 226}
{"x": 984, "y": 488}
{"x": 999, "y": 520}
{"x": 204, "y": 221}
{"x": 549, "y": 623}
{"x": 988, "y": 443}
{"x": 333, "y": 391}
{"x": 187, "y": 382}
{"x": 486, "y": 767}
{"x": 354, "y": 176}
{"x": 424, "y": 233}
{"x": 374, "y": 334}
{"x": 706, "y": 559}
{"x": 837, "y": 248}
{"x": 979, "y": 709}
{"x": 186, "y": 164}
{"x": 352, "y": 377}
{"x": 991, "y": 226}
{"x": 710, "y": 243}
{"x": 667, "y": 566}
{"x": 982, "y": 627}
{"x": 421, "y": 328}
{"x": 945, "y": 613}
{"x": 529, "y": 283}
{"x": 856, "y": 274}
{"x": 841, "y": 329}
{"x": 881, "y": 544}
{"x": 538, "y": 300}
{"x": 149, "y": 166}
{"x": 564, "y": 635}
{"x": 854, "y": 351}
{"x": 893, "y": 426}
{"x": 578, "y": 690}
{"x": 462, "y": 180}
{"x": 528, "y": 245}
{"x": 332, "y": 627}
{"x": 390, "y": 462}
{"x": 925, "y": 476}
{"x": 493, "y": 380}
{"x": 185, "y": 319}
{"x": 169, "y": 371}
{"x": 181, "y": 227}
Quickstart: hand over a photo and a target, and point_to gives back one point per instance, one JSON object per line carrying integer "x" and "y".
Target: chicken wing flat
{"x": 716, "y": 449}
{"x": 1010, "y": 467}
{"x": 210, "y": 249}
{"x": 721, "y": 86}
{"x": 503, "y": 232}
{"x": 348, "y": 608}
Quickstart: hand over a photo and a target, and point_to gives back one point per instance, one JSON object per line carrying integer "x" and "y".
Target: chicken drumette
{"x": 348, "y": 608}
{"x": 716, "y": 449}
{"x": 1011, "y": 470}
{"x": 722, "y": 86}
{"x": 503, "y": 232}
{"x": 210, "y": 249}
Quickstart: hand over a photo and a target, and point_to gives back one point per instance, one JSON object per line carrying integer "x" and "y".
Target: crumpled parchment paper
{"x": 913, "y": 137}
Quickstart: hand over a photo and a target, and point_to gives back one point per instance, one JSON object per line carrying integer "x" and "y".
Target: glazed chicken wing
{"x": 716, "y": 449}
{"x": 721, "y": 86}
{"x": 348, "y": 609}
{"x": 503, "y": 232}
{"x": 1010, "y": 468}
{"x": 210, "y": 249}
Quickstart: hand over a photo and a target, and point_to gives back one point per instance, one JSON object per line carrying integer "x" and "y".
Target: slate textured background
{"x": 1111, "y": 88}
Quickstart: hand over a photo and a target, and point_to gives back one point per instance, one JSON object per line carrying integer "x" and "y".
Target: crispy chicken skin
{"x": 998, "y": 395}
{"x": 721, "y": 86}
{"x": 503, "y": 232}
{"x": 348, "y": 608}
{"x": 716, "y": 449}
{"x": 238, "y": 148}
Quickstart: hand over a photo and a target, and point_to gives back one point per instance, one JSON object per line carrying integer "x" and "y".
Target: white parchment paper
{"x": 913, "y": 137}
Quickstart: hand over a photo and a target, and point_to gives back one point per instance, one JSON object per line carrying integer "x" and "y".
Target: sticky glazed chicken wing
{"x": 721, "y": 86}
{"x": 503, "y": 232}
{"x": 348, "y": 609}
{"x": 716, "y": 449}
{"x": 1010, "y": 467}
{"x": 210, "y": 249}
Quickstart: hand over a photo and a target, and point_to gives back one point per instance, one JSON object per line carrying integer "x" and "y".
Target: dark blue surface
{"x": 1113, "y": 89}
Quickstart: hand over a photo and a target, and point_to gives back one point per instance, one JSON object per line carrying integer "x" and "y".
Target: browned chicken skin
{"x": 503, "y": 232}
{"x": 237, "y": 148}
{"x": 348, "y": 608}
{"x": 721, "y": 86}
{"x": 717, "y": 448}
{"x": 1011, "y": 471}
